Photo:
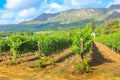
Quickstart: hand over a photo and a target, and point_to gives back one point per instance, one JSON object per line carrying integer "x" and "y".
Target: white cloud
{"x": 5, "y": 21}
{"x": 53, "y": 8}
{"x": 19, "y": 10}
{"x": 7, "y": 16}
{"x": 21, "y": 4}
{"x": 116, "y": 2}
{"x": 113, "y": 2}
{"x": 79, "y": 3}
{"x": 28, "y": 13}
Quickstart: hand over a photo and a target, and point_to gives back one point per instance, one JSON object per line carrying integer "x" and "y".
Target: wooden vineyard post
{"x": 39, "y": 52}
{"x": 81, "y": 48}
{"x": 38, "y": 48}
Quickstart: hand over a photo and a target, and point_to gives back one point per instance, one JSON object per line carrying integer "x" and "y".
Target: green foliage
{"x": 99, "y": 29}
{"x": 28, "y": 46}
{"x": 85, "y": 34}
{"x": 5, "y": 34}
{"x": 77, "y": 66}
{"x": 116, "y": 74}
{"x": 14, "y": 41}
{"x": 20, "y": 43}
{"x": 93, "y": 25}
{"x": 110, "y": 26}
{"x": 83, "y": 66}
{"x": 111, "y": 40}
{"x": 41, "y": 62}
{"x": 4, "y": 47}
{"x": 49, "y": 44}
{"x": 54, "y": 44}
{"x": 52, "y": 61}
{"x": 82, "y": 38}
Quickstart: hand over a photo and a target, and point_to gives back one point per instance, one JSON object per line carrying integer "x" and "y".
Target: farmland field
{"x": 74, "y": 55}
{"x": 104, "y": 62}
{"x": 59, "y": 39}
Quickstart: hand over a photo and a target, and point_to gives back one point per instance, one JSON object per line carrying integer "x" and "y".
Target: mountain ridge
{"x": 68, "y": 18}
{"x": 83, "y": 13}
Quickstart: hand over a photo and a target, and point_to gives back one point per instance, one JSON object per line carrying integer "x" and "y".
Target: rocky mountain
{"x": 114, "y": 7}
{"x": 44, "y": 17}
{"x": 69, "y": 19}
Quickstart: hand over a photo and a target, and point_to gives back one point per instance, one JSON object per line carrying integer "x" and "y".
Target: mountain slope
{"x": 69, "y": 19}
{"x": 75, "y": 15}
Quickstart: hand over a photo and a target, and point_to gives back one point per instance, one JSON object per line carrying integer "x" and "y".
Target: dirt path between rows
{"x": 102, "y": 54}
{"x": 104, "y": 62}
{"x": 108, "y": 53}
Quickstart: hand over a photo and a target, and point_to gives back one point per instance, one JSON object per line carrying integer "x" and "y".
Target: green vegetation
{"x": 14, "y": 42}
{"x": 84, "y": 65}
{"x": 81, "y": 45}
{"x": 41, "y": 62}
{"x": 50, "y": 45}
{"x": 46, "y": 44}
{"x": 111, "y": 40}
{"x": 116, "y": 74}
{"x": 19, "y": 44}
{"x": 4, "y": 47}
{"x": 85, "y": 36}
{"x": 62, "y": 70}
{"x": 109, "y": 34}
{"x": 111, "y": 26}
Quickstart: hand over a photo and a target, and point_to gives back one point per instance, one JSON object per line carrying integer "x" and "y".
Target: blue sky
{"x": 15, "y": 11}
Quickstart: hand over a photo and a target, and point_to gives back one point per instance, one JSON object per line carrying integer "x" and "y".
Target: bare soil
{"x": 104, "y": 62}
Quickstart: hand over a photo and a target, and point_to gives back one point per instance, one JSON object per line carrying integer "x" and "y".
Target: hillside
{"x": 66, "y": 20}
{"x": 110, "y": 26}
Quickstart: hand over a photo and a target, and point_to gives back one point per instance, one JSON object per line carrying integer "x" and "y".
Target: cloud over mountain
{"x": 19, "y": 10}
